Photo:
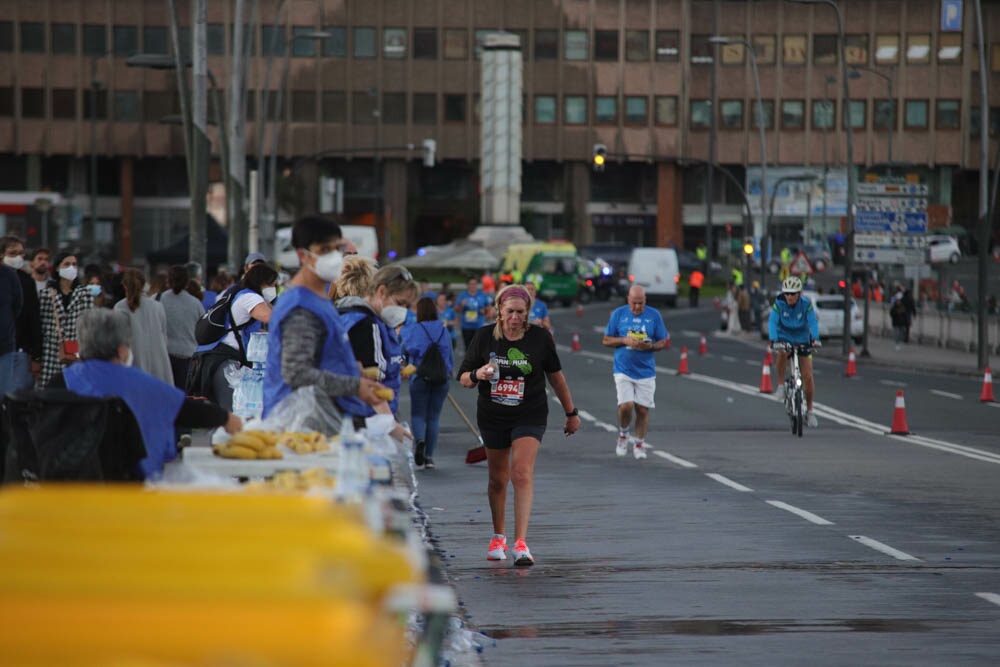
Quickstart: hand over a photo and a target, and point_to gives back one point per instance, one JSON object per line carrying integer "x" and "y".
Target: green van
{"x": 555, "y": 262}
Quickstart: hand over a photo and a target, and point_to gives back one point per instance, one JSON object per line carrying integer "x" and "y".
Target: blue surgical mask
{"x": 95, "y": 290}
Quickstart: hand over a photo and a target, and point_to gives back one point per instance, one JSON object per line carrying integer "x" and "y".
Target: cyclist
{"x": 793, "y": 320}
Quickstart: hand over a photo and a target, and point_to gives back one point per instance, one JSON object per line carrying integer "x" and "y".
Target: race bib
{"x": 471, "y": 315}
{"x": 638, "y": 335}
{"x": 508, "y": 392}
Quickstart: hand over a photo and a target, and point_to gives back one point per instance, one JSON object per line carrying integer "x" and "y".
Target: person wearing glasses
{"x": 793, "y": 320}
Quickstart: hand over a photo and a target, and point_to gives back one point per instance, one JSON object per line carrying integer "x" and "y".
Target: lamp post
{"x": 892, "y": 101}
{"x": 758, "y": 230}
{"x": 849, "y": 237}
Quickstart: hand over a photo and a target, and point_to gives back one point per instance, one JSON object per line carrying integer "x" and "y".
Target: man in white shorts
{"x": 636, "y": 332}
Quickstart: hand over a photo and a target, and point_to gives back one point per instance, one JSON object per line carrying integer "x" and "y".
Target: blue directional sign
{"x": 951, "y": 15}
{"x": 890, "y": 222}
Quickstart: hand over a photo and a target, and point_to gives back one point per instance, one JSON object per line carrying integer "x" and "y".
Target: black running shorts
{"x": 502, "y": 439}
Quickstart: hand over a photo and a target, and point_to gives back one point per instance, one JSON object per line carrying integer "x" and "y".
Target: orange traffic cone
{"x": 703, "y": 345}
{"x": 576, "y": 342}
{"x": 579, "y": 310}
{"x": 852, "y": 366}
{"x": 899, "y": 426}
{"x": 682, "y": 369}
{"x": 768, "y": 359}
{"x": 987, "y": 395}
{"x": 765, "y": 378}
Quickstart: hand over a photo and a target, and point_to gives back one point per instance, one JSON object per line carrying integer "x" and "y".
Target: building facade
{"x": 634, "y": 75}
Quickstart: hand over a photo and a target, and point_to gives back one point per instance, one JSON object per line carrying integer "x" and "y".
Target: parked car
{"x": 943, "y": 248}
{"x": 830, "y": 313}
{"x": 655, "y": 269}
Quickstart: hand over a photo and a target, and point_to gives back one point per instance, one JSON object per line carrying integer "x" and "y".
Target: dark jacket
{"x": 29, "y": 322}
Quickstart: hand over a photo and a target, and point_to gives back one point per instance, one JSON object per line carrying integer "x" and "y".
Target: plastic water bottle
{"x": 495, "y": 375}
{"x": 353, "y": 476}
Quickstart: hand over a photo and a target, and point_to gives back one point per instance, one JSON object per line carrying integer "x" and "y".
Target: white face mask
{"x": 328, "y": 266}
{"x": 393, "y": 316}
{"x": 269, "y": 293}
{"x": 95, "y": 290}
{"x": 15, "y": 262}
{"x": 69, "y": 273}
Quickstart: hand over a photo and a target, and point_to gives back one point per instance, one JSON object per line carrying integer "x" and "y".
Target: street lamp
{"x": 849, "y": 244}
{"x": 855, "y": 74}
{"x": 758, "y": 231}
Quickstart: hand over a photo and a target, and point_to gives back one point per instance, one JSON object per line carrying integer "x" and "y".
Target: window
{"x": 127, "y": 106}
{"x": 304, "y": 46}
{"x": 885, "y": 114}
{"x": 575, "y": 110}
{"x": 95, "y": 40}
{"x": 32, "y": 103}
{"x": 362, "y": 108}
{"x": 793, "y": 50}
{"x": 334, "y": 106}
{"x": 154, "y": 40}
{"x": 605, "y": 45}
{"x": 479, "y": 36}
{"x": 576, "y": 45}
{"x": 249, "y": 39}
{"x": 546, "y": 44}
{"x": 303, "y": 106}
{"x": 394, "y": 108}
{"x": 155, "y": 105}
{"x": 974, "y": 120}
{"x": 424, "y": 109}
{"x": 101, "y": 104}
{"x": 666, "y": 110}
{"x": 454, "y": 108}
{"x": 251, "y": 107}
{"x": 276, "y": 113}
{"x": 6, "y": 102}
{"x": 825, "y": 50}
{"x": 701, "y": 114}
{"x": 64, "y": 103}
{"x": 335, "y": 46}
{"x": 918, "y": 49}
{"x": 545, "y": 109}
{"x": 456, "y": 44}
{"x": 994, "y": 59}
{"x": 916, "y": 115}
{"x": 272, "y": 40}
{"x": 856, "y": 114}
{"x": 606, "y": 110}
{"x": 792, "y": 114}
{"x": 364, "y": 42}
{"x": 668, "y": 46}
{"x": 732, "y": 54}
{"x": 731, "y": 114}
{"x": 765, "y": 48}
{"x": 702, "y": 51}
{"x": 425, "y": 45}
{"x": 6, "y": 38}
{"x": 637, "y": 45}
{"x": 947, "y": 114}
{"x": 126, "y": 40}
{"x": 768, "y": 121}
{"x": 32, "y": 37}
{"x": 636, "y": 110}
{"x": 949, "y": 48}
{"x": 886, "y": 49}
{"x": 215, "y": 38}
{"x": 394, "y": 43}
{"x": 856, "y": 49}
{"x": 823, "y": 113}
{"x": 63, "y": 38}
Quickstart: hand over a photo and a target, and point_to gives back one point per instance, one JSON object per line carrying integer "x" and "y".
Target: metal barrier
{"x": 939, "y": 328}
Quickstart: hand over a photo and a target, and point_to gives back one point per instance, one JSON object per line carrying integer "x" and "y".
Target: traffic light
{"x": 748, "y": 245}
{"x": 600, "y": 156}
{"x": 430, "y": 148}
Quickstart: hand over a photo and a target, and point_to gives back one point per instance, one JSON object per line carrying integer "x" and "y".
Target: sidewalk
{"x": 912, "y": 356}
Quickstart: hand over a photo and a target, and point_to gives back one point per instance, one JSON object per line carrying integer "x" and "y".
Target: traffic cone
{"x": 768, "y": 359}
{"x": 703, "y": 345}
{"x": 576, "y": 342}
{"x": 682, "y": 369}
{"x": 667, "y": 344}
{"x": 852, "y": 366}
{"x": 899, "y": 426}
{"x": 987, "y": 395}
{"x": 765, "y": 378}
{"x": 579, "y": 310}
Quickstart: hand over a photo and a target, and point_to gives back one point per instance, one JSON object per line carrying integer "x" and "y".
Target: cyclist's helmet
{"x": 791, "y": 285}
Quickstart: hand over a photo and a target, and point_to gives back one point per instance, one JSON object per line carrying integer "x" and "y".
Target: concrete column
{"x": 33, "y": 167}
{"x": 669, "y": 210}
{"x": 575, "y": 200}
{"x": 308, "y": 171}
{"x": 127, "y": 175}
{"x": 394, "y": 190}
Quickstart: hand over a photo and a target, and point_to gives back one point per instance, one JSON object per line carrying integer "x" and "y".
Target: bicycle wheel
{"x": 799, "y": 417}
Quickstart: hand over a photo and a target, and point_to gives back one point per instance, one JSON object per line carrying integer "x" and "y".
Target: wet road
{"x": 736, "y": 543}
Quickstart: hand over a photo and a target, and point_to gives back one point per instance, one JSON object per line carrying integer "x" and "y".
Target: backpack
{"x": 898, "y": 308}
{"x": 432, "y": 369}
{"x": 217, "y": 322}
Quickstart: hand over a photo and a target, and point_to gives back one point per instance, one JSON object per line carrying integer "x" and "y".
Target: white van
{"x": 656, "y": 270}
{"x": 363, "y": 237}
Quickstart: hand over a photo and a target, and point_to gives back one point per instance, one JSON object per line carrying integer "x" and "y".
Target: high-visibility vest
{"x": 697, "y": 279}
{"x": 701, "y": 252}
{"x": 737, "y": 277}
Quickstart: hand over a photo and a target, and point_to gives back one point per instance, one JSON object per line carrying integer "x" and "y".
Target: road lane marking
{"x": 675, "y": 459}
{"x": 731, "y": 360}
{"x": 884, "y": 548}
{"x": 722, "y": 479}
{"x": 808, "y": 516}
{"x": 691, "y": 334}
{"x": 751, "y": 362}
{"x": 610, "y": 428}
{"x": 892, "y": 383}
{"x": 994, "y": 405}
{"x": 989, "y": 597}
{"x": 946, "y": 394}
{"x": 586, "y": 415}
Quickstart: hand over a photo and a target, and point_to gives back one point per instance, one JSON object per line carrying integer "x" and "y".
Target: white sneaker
{"x": 622, "y": 448}
{"x": 811, "y": 420}
{"x": 638, "y": 451}
{"x": 779, "y": 391}
{"x": 497, "y": 549}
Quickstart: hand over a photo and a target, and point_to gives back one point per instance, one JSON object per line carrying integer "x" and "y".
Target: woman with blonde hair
{"x": 149, "y": 327}
{"x": 355, "y": 278}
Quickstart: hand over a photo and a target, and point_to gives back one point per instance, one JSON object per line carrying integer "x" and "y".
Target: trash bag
{"x": 57, "y": 435}
{"x": 305, "y": 409}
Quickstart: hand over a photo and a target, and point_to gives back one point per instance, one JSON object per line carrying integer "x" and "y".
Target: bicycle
{"x": 794, "y": 391}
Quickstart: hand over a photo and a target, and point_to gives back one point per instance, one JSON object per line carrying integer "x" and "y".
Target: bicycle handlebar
{"x": 802, "y": 348}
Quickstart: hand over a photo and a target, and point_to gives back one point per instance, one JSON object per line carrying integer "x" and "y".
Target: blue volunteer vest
{"x": 392, "y": 352}
{"x": 255, "y": 326}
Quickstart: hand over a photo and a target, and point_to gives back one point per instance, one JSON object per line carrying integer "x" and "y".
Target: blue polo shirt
{"x": 636, "y": 364}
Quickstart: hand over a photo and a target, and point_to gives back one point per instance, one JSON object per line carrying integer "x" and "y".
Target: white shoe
{"x": 497, "y": 549}
{"x": 638, "y": 451}
{"x": 811, "y": 420}
{"x": 622, "y": 448}
{"x": 779, "y": 391}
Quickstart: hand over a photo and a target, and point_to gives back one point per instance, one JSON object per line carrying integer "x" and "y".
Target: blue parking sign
{"x": 951, "y": 15}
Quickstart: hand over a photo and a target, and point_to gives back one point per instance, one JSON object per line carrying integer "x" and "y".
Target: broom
{"x": 476, "y": 454}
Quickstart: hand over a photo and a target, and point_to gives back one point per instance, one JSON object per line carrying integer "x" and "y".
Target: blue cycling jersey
{"x": 795, "y": 324}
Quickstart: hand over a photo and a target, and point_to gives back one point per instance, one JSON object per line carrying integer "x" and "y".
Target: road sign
{"x": 889, "y": 240}
{"x": 801, "y": 264}
{"x": 890, "y": 255}
{"x": 951, "y": 15}
{"x": 889, "y": 222}
{"x": 894, "y": 189}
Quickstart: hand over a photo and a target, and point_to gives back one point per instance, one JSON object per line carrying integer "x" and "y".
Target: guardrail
{"x": 957, "y": 330}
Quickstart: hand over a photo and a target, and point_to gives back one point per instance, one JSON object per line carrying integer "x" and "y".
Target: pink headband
{"x": 514, "y": 292}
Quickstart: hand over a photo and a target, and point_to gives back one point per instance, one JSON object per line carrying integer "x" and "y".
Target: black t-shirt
{"x": 519, "y": 396}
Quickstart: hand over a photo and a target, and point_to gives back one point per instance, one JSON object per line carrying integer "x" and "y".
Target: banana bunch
{"x": 303, "y": 443}
{"x": 371, "y": 372}
{"x": 385, "y": 393}
{"x": 407, "y": 370}
{"x": 250, "y": 445}
{"x": 294, "y": 480}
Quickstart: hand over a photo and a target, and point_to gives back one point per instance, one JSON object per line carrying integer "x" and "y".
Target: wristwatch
{"x": 575, "y": 413}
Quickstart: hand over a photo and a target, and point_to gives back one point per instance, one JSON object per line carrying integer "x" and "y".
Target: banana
{"x": 385, "y": 393}
{"x": 231, "y": 451}
{"x": 407, "y": 370}
{"x": 248, "y": 439}
{"x": 371, "y": 372}
{"x": 270, "y": 453}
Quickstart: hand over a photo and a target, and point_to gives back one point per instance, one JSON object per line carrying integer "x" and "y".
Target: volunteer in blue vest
{"x": 471, "y": 306}
{"x": 308, "y": 344}
{"x": 105, "y": 370}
